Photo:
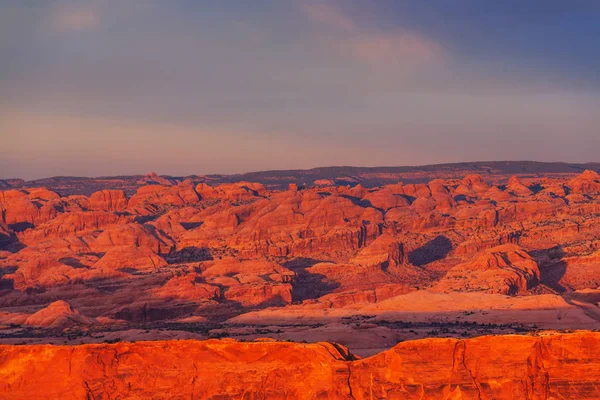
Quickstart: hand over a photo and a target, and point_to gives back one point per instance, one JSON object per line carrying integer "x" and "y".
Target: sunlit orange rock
{"x": 578, "y": 272}
{"x": 23, "y": 210}
{"x": 59, "y": 314}
{"x": 515, "y": 186}
{"x": 587, "y": 182}
{"x": 154, "y": 179}
{"x": 506, "y": 269}
{"x": 502, "y": 367}
{"x": 42, "y": 194}
{"x": 154, "y": 199}
{"x": 36, "y": 268}
{"x": 187, "y": 287}
{"x": 132, "y": 235}
{"x": 385, "y": 199}
{"x": 383, "y": 250}
{"x": 239, "y": 191}
{"x": 251, "y": 282}
{"x": 260, "y": 294}
{"x": 130, "y": 259}
{"x": 231, "y": 266}
{"x": 108, "y": 200}
{"x": 74, "y": 223}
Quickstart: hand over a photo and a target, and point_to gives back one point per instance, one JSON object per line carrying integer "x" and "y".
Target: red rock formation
{"x": 28, "y": 207}
{"x": 385, "y": 199}
{"x": 587, "y": 182}
{"x": 384, "y": 249}
{"x": 155, "y": 199}
{"x": 187, "y": 287}
{"x": 108, "y": 200}
{"x": 42, "y": 194}
{"x": 73, "y": 223}
{"x": 134, "y": 259}
{"x": 506, "y": 269}
{"x": 252, "y": 283}
{"x": 131, "y": 235}
{"x": 37, "y": 268}
{"x": 502, "y": 367}
{"x": 154, "y": 179}
{"x": 579, "y": 272}
{"x": 231, "y": 266}
{"x": 239, "y": 191}
{"x": 515, "y": 186}
{"x": 59, "y": 314}
{"x": 260, "y": 294}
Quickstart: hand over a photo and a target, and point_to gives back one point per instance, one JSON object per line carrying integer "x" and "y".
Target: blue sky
{"x": 104, "y": 87}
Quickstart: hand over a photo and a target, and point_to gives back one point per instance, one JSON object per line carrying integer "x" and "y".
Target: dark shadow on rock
{"x": 11, "y": 243}
{"x": 552, "y": 267}
{"x": 142, "y": 219}
{"x": 93, "y": 254}
{"x": 72, "y": 262}
{"x": 162, "y": 248}
{"x": 130, "y": 271}
{"x": 536, "y": 188}
{"x": 431, "y": 251}
{"x": 154, "y": 311}
{"x": 6, "y": 283}
{"x": 410, "y": 199}
{"x": 191, "y": 225}
{"x": 385, "y": 265}
{"x": 20, "y": 226}
{"x": 462, "y": 197}
{"x": 6, "y": 240}
{"x": 275, "y": 301}
{"x": 361, "y": 202}
{"x": 307, "y": 285}
{"x": 35, "y": 290}
{"x": 189, "y": 254}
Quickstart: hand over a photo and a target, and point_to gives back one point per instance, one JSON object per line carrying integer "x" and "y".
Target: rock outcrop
{"x": 586, "y": 183}
{"x": 506, "y": 269}
{"x": 108, "y": 200}
{"x": 502, "y": 367}
{"x": 59, "y": 314}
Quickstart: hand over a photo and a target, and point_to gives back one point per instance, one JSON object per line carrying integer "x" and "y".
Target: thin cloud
{"x": 394, "y": 48}
{"x": 373, "y": 47}
{"x": 75, "y": 18}
{"x": 329, "y": 16}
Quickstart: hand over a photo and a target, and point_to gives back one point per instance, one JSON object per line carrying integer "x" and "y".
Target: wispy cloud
{"x": 75, "y": 17}
{"x": 393, "y": 48}
{"x": 328, "y": 15}
{"x": 373, "y": 46}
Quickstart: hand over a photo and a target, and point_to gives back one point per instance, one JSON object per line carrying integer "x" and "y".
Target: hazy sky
{"x": 105, "y": 87}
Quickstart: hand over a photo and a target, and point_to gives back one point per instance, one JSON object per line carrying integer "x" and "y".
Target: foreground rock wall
{"x": 558, "y": 366}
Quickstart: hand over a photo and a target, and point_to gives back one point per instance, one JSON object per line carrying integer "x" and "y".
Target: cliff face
{"x": 488, "y": 367}
{"x": 558, "y": 366}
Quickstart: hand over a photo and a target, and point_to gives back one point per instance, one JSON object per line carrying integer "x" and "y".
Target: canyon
{"x": 365, "y": 286}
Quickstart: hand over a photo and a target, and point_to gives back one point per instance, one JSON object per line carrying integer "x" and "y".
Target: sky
{"x": 181, "y": 87}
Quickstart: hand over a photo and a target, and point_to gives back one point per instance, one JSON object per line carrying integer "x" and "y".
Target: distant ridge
{"x": 489, "y": 167}
{"x": 340, "y": 175}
